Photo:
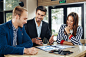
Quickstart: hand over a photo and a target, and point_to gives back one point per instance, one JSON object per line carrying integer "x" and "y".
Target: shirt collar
{"x": 14, "y": 29}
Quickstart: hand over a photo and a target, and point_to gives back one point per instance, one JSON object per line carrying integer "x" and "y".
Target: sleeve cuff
{"x": 70, "y": 36}
{"x": 23, "y": 50}
{"x": 62, "y": 41}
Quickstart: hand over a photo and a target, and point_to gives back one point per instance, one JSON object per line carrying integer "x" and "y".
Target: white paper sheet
{"x": 47, "y": 48}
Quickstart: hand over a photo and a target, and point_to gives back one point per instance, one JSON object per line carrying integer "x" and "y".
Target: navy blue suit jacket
{"x": 6, "y": 39}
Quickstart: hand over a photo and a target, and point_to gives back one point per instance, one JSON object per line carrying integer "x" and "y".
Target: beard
{"x": 39, "y": 19}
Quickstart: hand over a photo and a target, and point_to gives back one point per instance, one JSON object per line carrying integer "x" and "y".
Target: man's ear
{"x": 17, "y": 16}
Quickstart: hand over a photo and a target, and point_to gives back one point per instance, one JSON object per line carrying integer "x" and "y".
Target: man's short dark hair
{"x": 42, "y": 8}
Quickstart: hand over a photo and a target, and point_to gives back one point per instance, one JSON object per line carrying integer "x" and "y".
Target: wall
{"x": 85, "y": 20}
{"x": 31, "y": 7}
{"x": 49, "y": 2}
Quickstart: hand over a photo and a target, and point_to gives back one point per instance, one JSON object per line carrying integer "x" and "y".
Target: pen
{"x": 37, "y": 38}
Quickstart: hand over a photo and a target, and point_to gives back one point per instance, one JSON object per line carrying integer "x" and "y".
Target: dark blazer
{"x": 6, "y": 39}
{"x": 32, "y": 32}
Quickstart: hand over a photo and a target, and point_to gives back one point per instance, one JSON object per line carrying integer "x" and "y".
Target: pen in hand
{"x": 39, "y": 39}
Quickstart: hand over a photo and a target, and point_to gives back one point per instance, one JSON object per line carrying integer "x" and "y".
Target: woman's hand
{"x": 67, "y": 29}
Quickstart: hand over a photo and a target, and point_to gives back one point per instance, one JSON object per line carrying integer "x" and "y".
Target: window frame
{"x": 7, "y": 12}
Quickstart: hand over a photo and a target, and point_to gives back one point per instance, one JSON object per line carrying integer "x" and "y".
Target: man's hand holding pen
{"x": 37, "y": 41}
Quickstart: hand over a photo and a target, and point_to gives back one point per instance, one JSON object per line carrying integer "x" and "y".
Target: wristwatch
{"x": 69, "y": 34}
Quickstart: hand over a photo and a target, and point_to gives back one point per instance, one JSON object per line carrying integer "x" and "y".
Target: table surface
{"x": 77, "y": 51}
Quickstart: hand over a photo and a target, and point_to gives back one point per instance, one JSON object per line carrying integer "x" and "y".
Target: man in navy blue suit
{"x": 13, "y": 37}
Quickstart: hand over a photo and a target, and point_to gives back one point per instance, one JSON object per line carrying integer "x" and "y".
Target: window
{"x": 77, "y": 10}
{"x": 46, "y": 17}
{"x": 10, "y": 4}
{"x": 8, "y": 16}
{"x": 57, "y": 21}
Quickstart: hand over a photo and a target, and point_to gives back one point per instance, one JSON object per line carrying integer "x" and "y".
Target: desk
{"x": 79, "y": 51}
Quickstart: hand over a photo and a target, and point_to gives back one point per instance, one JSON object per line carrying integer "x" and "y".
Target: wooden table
{"x": 79, "y": 51}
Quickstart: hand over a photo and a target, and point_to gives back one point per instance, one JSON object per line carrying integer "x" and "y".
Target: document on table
{"x": 54, "y": 47}
{"x": 47, "y": 48}
{"x": 62, "y": 46}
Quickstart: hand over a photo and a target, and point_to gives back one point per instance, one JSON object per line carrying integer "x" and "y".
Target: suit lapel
{"x": 11, "y": 36}
{"x": 42, "y": 29}
{"x": 34, "y": 25}
{"x": 19, "y": 35}
{"x": 10, "y": 32}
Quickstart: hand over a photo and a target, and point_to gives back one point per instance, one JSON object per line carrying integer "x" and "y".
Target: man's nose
{"x": 26, "y": 21}
{"x": 39, "y": 16}
{"x": 69, "y": 21}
